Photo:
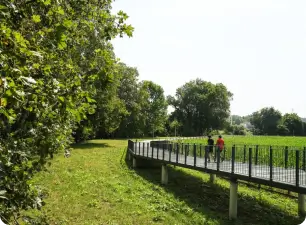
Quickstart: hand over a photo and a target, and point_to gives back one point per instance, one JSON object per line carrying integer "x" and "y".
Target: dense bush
{"x": 53, "y": 53}
{"x": 235, "y": 130}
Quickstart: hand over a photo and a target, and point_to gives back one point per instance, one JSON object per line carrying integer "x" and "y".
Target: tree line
{"x": 58, "y": 70}
{"x": 270, "y": 121}
{"x": 139, "y": 109}
{"x": 267, "y": 121}
{"x": 62, "y": 83}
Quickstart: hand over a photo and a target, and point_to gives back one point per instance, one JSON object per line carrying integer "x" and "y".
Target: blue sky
{"x": 257, "y": 48}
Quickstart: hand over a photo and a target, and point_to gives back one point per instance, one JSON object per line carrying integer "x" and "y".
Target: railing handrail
{"x": 246, "y": 160}
{"x": 289, "y": 147}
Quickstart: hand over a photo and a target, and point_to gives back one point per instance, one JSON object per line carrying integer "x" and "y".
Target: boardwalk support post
{"x": 212, "y": 178}
{"x": 233, "y": 199}
{"x": 164, "y": 175}
{"x": 301, "y": 200}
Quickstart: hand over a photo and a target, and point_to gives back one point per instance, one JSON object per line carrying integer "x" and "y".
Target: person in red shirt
{"x": 220, "y": 145}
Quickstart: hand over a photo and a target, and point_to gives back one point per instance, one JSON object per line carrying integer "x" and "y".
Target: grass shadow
{"x": 212, "y": 200}
{"x": 89, "y": 145}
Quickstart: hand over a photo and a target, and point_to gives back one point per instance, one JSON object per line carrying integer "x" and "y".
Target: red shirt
{"x": 220, "y": 143}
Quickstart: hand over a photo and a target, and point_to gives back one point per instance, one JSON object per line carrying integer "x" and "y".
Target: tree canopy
{"x": 200, "y": 105}
{"x": 266, "y": 120}
{"x": 271, "y": 122}
{"x": 57, "y": 68}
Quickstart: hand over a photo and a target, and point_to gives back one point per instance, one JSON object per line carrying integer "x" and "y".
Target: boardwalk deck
{"x": 262, "y": 174}
{"x": 288, "y": 178}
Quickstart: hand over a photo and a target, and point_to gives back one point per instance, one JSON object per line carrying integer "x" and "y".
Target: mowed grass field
{"x": 97, "y": 185}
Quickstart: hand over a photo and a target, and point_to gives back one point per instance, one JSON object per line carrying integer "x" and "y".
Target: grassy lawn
{"x": 97, "y": 186}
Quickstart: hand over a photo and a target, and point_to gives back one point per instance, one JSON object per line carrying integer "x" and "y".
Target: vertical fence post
{"x": 206, "y": 155}
{"x": 157, "y": 150}
{"x": 177, "y": 152}
{"x": 256, "y": 155}
{"x": 233, "y": 159}
{"x": 170, "y": 150}
{"x": 182, "y": 152}
{"x": 250, "y": 162}
{"x": 244, "y": 153}
{"x": 194, "y": 154}
{"x": 148, "y": 148}
{"x": 185, "y": 154}
{"x": 188, "y": 149}
{"x": 297, "y": 168}
{"x": 304, "y": 159}
{"x": 271, "y": 163}
{"x": 286, "y": 157}
{"x": 163, "y": 151}
{"x": 139, "y": 148}
{"x": 200, "y": 150}
{"x": 152, "y": 148}
{"x": 143, "y": 149}
{"x": 218, "y": 159}
{"x": 215, "y": 150}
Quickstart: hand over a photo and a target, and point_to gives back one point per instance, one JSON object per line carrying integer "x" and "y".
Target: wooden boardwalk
{"x": 262, "y": 174}
{"x": 289, "y": 178}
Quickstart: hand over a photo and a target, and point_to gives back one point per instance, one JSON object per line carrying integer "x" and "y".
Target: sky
{"x": 256, "y": 48}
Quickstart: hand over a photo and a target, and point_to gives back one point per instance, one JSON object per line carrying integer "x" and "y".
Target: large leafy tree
{"x": 127, "y": 108}
{"x": 200, "y": 105}
{"x": 293, "y": 123}
{"x": 237, "y": 119}
{"x": 53, "y": 53}
{"x": 266, "y": 120}
{"x": 128, "y": 92}
{"x": 174, "y": 125}
{"x": 153, "y": 108}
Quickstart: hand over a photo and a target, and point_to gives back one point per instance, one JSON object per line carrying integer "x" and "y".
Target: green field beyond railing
{"x": 252, "y": 140}
{"x": 281, "y": 166}
{"x": 278, "y": 156}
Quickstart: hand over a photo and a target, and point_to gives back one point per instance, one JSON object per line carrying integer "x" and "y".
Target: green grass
{"x": 256, "y": 140}
{"x": 96, "y": 185}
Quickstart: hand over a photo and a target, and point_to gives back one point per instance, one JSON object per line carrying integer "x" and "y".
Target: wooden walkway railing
{"x": 275, "y": 166}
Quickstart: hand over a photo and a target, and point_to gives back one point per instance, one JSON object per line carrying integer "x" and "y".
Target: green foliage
{"x": 266, "y": 120}
{"x": 154, "y": 107}
{"x": 237, "y": 120}
{"x": 282, "y": 130}
{"x": 293, "y": 123}
{"x": 52, "y": 55}
{"x": 235, "y": 130}
{"x": 271, "y": 122}
{"x": 174, "y": 125}
{"x": 200, "y": 106}
{"x": 127, "y": 109}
